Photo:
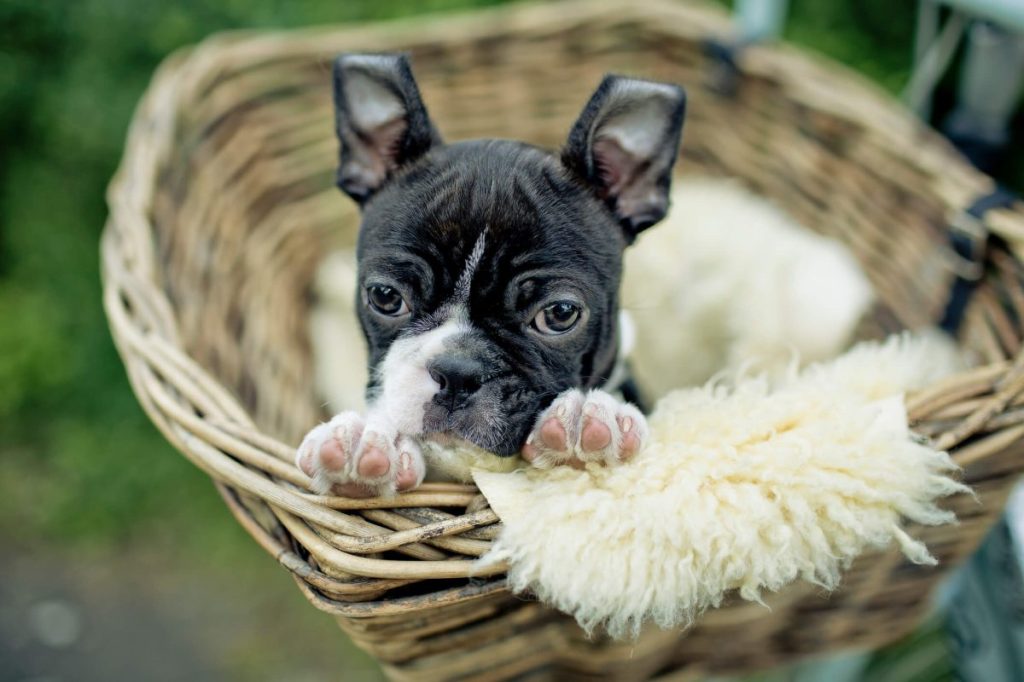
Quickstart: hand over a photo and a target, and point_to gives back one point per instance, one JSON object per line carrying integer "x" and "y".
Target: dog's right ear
{"x": 624, "y": 145}
{"x": 380, "y": 120}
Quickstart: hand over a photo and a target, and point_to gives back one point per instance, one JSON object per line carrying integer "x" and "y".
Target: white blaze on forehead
{"x": 472, "y": 263}
{"x": 406, "y": 385}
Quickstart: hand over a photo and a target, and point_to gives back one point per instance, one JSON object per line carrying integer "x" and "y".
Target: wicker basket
{"x": 224, "y": 205}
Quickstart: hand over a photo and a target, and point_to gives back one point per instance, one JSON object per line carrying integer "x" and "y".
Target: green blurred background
{"x": 111, "y": 539}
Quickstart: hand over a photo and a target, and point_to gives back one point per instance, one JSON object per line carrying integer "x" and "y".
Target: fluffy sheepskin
{"x": 744, "y": 488}
{"x": 743, "y": 286}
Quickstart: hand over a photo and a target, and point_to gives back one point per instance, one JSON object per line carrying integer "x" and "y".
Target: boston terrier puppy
{"x": 489, "y": 279}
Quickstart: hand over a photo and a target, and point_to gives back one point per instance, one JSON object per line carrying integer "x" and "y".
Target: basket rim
{"x": 146, "y": 335}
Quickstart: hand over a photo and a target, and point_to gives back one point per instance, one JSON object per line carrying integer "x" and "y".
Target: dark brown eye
{"x": 386, "y": 300}
{"x": 557, "y": 318}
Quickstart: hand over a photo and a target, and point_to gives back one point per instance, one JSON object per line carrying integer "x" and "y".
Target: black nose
{"x": 457, "y": 376}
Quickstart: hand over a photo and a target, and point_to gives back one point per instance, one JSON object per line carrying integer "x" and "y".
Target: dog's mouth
{"x": 452, "y": 436}
{"x": 451, "y": 429}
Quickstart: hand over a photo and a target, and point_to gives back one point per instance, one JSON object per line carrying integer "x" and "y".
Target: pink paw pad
{"x": 348, "y": 457}
{"x": 578, "y": 428}
{"x": 552, "y": 434}
{"x": 595, "y": 436}
{"x": 373, "y": 463}
{"x": 332, "y": 455}
{"x": 407, "y": 477}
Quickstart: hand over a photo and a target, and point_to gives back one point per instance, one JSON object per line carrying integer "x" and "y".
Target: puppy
{"x": 489, "y": 279}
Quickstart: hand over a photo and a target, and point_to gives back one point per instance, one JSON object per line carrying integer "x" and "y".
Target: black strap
{"x": 969, "y": 239}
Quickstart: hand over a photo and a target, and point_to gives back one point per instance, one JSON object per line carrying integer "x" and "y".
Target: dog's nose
{"x": 457, "y": 377}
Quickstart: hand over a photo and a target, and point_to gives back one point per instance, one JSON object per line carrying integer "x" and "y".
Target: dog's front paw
{"x": 585, "y": 427}
{"x": 354, "y": 457}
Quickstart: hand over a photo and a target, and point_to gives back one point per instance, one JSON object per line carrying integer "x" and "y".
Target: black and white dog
{"x": 489, "y": 278}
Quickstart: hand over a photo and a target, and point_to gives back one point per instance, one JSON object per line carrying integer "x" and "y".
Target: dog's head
{"x": 489, "y": 270}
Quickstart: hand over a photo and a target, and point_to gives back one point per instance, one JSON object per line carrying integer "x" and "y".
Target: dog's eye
{"x": 386, "y": 300}
{"x": 557, "y": 318}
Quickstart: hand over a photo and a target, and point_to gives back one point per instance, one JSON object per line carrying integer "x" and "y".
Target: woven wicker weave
{"x": 224, "y": 205}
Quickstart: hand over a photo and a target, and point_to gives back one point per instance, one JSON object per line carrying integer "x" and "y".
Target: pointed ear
{"x": 380, "y": 120}
{"x": 624, "y": 145}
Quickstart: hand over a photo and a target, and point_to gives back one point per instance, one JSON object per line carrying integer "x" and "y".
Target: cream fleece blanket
{"x": 745, "y": 488}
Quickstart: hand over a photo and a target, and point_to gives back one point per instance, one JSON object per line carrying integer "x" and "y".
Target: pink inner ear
{"x": 375, "y": 157}
{"x": 385, "y": 139}
{"x": 615, "y": 165}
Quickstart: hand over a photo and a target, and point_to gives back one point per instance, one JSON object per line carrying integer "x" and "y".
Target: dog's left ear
{"x": 624, "y": 145}
{"x": 380, "y": 120}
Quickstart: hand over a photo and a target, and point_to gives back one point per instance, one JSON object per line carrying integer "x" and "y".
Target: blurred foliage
{"x": 81, "y": 463}
{"x": 872, "y": 36}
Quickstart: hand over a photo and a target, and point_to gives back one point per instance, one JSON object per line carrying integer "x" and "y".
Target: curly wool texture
{"x": 744, "y": 488}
